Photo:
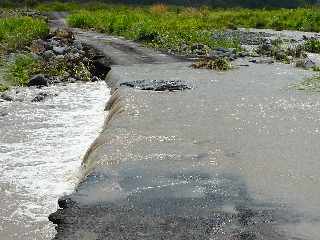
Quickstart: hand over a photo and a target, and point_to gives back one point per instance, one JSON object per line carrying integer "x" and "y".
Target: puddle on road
{"x": 41, "y": 145}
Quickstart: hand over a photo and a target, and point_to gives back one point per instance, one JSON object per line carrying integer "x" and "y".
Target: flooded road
{"x": 236, "y": 157}
{"x": 41, "y": 146}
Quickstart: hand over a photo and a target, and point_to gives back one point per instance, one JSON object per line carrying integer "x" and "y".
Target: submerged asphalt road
{"x": 234, "y": 157}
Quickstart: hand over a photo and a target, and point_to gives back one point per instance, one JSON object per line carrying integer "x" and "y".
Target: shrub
{"x": 3, "y": 87}
{"x": 312, "y": 45}
{"x": 220, "y": 64}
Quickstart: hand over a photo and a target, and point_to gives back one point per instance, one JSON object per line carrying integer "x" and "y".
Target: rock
{"x": 6, "y": 97}
{"x": 38, "y": 46}
{"x": 72, "y": 57}
{"x": 199, "y": 49}
{"x": 38, "y": 80}
{"x": 262, "y": 61}
{"x": 2, "y": 114}
{"x": 40, "y": 97}
{"x": 59, "y": 50}
{"x": 157, "y": 85}
{"x": 223, "y": 53}
{"x": 265, "y": 48}
{"x": 72, "y": 80}
{"x": 77, "y": 45}
{"x": 54, "y": 80}
{"x": 49, "y": 54}
{"x": 60, "y": 57}
{"x": 53, "y": 43}
{"x": 245, "y": 37}
{"x": 95, "y": 79}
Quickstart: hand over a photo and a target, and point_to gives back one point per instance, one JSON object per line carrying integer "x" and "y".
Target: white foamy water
{"x": 41, "y": 146}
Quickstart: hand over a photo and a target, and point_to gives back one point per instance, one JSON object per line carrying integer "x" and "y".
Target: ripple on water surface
{"x": 41, "y": 145}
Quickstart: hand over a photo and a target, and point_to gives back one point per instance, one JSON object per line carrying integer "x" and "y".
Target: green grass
{"x": 70, "y": 6}
{"x": 19, "y": 71}
{"x": 3, "y": 87}
{"x": 17, "y": 32}
{"x": 180, "y": 27}
{"x": 304, "y": 19}
{"x": 312, "y": 45}
{"x": 169, "y": 30}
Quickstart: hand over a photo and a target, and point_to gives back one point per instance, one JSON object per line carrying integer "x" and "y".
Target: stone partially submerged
{"x": 157, "y": 85}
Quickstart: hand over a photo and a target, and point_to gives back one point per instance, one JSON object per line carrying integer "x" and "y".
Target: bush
{"x": 220, "y": 64}
{"x": 312, "y": 45}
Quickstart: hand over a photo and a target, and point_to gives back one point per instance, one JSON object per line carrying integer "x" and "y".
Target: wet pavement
{"x": 234, "y": 157}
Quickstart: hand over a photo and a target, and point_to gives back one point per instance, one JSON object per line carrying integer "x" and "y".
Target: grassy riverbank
{"x": 177, "y": 28}
{"x": 16, "y": 34}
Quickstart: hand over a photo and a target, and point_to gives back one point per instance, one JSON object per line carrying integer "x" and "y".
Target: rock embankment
{"x": 59, "y": 59}
{"x": 260, "y": 47}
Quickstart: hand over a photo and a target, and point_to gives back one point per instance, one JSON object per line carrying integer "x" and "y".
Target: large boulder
{"x": 38, "y": 80}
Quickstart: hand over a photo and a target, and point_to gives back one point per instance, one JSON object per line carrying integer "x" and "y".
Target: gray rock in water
{"x": 40, "y": 97}
{"x": 38, "y": 80}
{"x": 59, "y": 50}
{"x": 157, "y": 85}
{"x": 95, "y": 79}
{"x": 2, "y": 113}
{"x": 72, "y": 80}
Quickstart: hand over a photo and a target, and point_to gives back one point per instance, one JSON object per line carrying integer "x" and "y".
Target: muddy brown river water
{"x": 41, "y": 145}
